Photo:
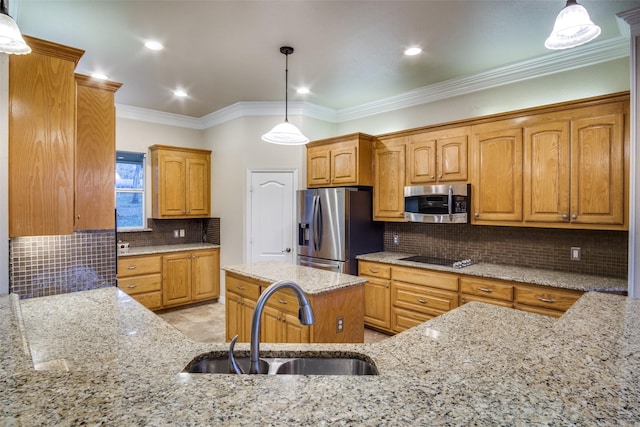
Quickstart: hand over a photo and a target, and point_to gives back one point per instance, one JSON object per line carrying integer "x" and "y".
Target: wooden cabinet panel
{"x": 282, "y": 327}
{"x": 421, "y": 160}
{"x": 318, "y": 169}
{"x": 176, "y": 279}
{"x": 181, "y": 182}
{"x": 205, "y": 275}
{"x": 423, "y": 277}
{"x": 242, "y": 286}
{"x": 140, "y": 277}
{"x": 546, "y": 297}
{"x": 401, "y": 320}
{"x": 421, "y": 299}
{"x": 344, "y": 165}
{"x": 239, "y": 314}
{"x": 151, "y": 300}
{"x": 388, "y": 187}
{"x": 546, "y": 171}
{"x": 487, "y": 288}
{"x": 377, "y": 303}
{"x": 597, "y": 170}
{"x": 41, "y": 139}
{"x": 138, "y": 265}
{"x": 452, "y": 159}
{"x": 340, "y": 161}
{"x": 437, "y": 156}
{"x": 141, "y": 284}
{"x": 497, "y": 165}
{"x": 95, "y": 153}
{"x": 373, "y": 269}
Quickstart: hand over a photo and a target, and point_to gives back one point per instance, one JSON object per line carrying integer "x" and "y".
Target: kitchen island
{"x": 98, "y": 356}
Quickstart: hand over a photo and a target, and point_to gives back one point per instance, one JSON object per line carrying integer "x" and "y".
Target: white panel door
{"x": 272, "y": 216}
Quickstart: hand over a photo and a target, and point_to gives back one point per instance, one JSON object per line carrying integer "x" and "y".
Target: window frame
{"x": 142, "y": 191}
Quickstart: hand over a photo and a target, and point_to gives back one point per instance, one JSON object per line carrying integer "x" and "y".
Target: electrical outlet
{"x": 396, "y": 239}
{"x": 182, "y": 232}
{"x": 576, "y": 254}
{"x": 339, "y": 324}
{"x": 176, "y": 233}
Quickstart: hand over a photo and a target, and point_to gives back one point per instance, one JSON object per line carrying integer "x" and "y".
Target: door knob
{"x": 287, "y": 250}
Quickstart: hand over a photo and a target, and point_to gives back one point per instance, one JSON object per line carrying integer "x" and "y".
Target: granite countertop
{"x": 98, "y": 357}
{"x": 313, "y": 281}
{"x": 159, "y": 249}
{"x": 537, "y": 276}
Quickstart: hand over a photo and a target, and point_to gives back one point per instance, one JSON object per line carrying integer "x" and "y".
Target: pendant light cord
{"x": 4, "y": 9}
{"x": 286, "y": 88}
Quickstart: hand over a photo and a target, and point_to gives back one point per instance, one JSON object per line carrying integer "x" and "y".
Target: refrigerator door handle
{"x": 314, "y": 222}
{"x": 320, "y": 221}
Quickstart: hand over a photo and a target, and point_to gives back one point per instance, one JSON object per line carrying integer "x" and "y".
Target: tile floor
{"x": 205, "y": 323}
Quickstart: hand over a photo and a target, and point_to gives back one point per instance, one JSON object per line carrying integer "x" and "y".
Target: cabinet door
{"x": 172, "y": 169}
{"x": 421, "y": 160}
{"x": 377, "y": 303}
{"x": 293, "y": 331}
{"x": 41, "y": 140}
{"x": 452, "y": 159}
{"x": 95, "y": 154}
{"x": 318, "y": 167}
{"x": 271, "y": 325}
{"x": 344, "y": 165}
{"x": 205, "y": 275}
{"x": 546, "y": 172}
{"x": 233, "y": 313}
{"x": 247, "y": 308}
{"x": 388, "y": 189}
{"x": 497, "y": 194}
{"x": 197, "y": 192}
{"x": 176, "y": 279}
{"x": 597, "y": 170}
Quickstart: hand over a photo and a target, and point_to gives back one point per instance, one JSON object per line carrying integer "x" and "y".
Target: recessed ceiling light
{"x": 412, "y": 51}
{"x": 99, "y": 76}
{"x": 153, "y": 45}
{"x": 303, "y": 90}
{"x": 180, "y": 93}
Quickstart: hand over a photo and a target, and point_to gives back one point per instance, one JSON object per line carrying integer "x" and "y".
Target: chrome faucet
{"x": 305, "y": 314}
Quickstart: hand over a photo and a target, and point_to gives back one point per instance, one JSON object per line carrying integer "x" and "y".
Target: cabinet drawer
{"x": 487, "y": 288}
{"x": 421, "y": 299}
{"x": 427, "y": 278}
{"x": 284, "y": 300}
{"x": 367, "y": 268}
{"x": 540, "y": 296}
{"x": 242, "y": 287}
{"x": 140, "y": 284}
{"x": 401, "y": 320}
{"x": 133, "y": 266}
{"x": 151, "y": 300}
{"x": 465, "y": 298}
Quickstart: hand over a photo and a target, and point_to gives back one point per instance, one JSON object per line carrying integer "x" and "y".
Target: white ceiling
{"x": 348, "y": 53}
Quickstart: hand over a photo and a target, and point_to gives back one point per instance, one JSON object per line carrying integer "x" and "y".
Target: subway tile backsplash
{"x": 604, "y": 253}
{"x": 50, "y": 265}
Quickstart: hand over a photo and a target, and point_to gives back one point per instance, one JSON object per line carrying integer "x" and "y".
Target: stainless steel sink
{"x": 297, "y": 365}
{"x": 326, "y": 366}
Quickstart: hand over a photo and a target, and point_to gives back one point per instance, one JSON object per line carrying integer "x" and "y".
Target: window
{"x": 129, "y": 190}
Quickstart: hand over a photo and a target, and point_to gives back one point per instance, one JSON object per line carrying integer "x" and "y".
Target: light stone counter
{"x": 312, "y": 280}
{"x": 112, "y": 362}
{"x": 160, "y": 249}
{"x": 537, "y": 276}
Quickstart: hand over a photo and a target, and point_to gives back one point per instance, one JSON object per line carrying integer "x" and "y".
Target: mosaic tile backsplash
{"x": 50, "y": 265}
{"x": 161, "y": 232}
{"x": 604, "y": 253}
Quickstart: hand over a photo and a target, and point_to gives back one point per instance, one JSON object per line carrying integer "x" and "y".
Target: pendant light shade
{"x": 11, "y": 40}
{"x": 285, "y": 133}
{"x": 572, "y": 28}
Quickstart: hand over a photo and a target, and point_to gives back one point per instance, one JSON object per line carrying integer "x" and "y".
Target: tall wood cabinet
{"x": 41, "y": 139}
{"x": 181, "y": 182}
{"x": 95, "y": 153}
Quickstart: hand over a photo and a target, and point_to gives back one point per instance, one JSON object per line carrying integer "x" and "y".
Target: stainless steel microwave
{"x": 444, "y": 203}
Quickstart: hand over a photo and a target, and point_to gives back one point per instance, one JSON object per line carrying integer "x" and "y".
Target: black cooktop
{"x": 430, "y": 260}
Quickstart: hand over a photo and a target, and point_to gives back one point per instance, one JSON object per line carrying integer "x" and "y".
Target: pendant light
{"x": 285, "y": 133}
{"x": 572, "y": 28}
{"x": 11, "y": 40}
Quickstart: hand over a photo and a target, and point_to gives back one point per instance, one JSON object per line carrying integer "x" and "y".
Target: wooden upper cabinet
{"x": 597, "y": 169}
{"x": 95, "y": 153}
{"x": 388, "y": 187}
{"x": 438, "y": 156}
{"x": 546, "y": 171}
{"x": 340, "y": 161}
{"x": 181, "y": 182}
{"x": 497, "y": 172}
{"x": 42, "y": 108}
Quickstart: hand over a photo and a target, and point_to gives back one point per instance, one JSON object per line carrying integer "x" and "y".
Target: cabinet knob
{"x": 565, "y": 216}
{"x": 476, "y": 214}
{"x": 487, "y": 290}
{"x": 574, "y": 216}
{"x": 433, "y": 177}
{"x": 547, "y": 300}
{"x": 241, "y": 288}
{"x": 373, "y": 270}
{"x": 131, "y": 267}
{"x": 281, "y": 301}
{"x": 132, "y": 286}
{"x": 422, "y": 301}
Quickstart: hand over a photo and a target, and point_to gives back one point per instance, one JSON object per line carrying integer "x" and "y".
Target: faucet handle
{"x": 234, "y": 368}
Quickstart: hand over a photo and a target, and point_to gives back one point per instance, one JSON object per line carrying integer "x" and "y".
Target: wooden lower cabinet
{"x": 417, "y": 295}
{"x": 141, "y": 278}
{"x": 279, "y": 322}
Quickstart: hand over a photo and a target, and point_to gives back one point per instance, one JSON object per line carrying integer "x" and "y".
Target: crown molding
{"x": 555, "y": 62}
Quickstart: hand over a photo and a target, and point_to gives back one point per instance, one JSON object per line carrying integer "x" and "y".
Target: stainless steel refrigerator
{"x": 334, "y": 226}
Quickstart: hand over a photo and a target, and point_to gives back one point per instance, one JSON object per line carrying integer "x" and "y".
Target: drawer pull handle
{"x": 422, "y": 301}
{"x": 240, "y": 287}
{"x": 281, "y": 301}
{"x": 132, "y": 267}
{"x": 373, "y": 270}
{"x": 485, "y": 290}
{"x": 549, "y": 300}
{"x": 132, "y": 286}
